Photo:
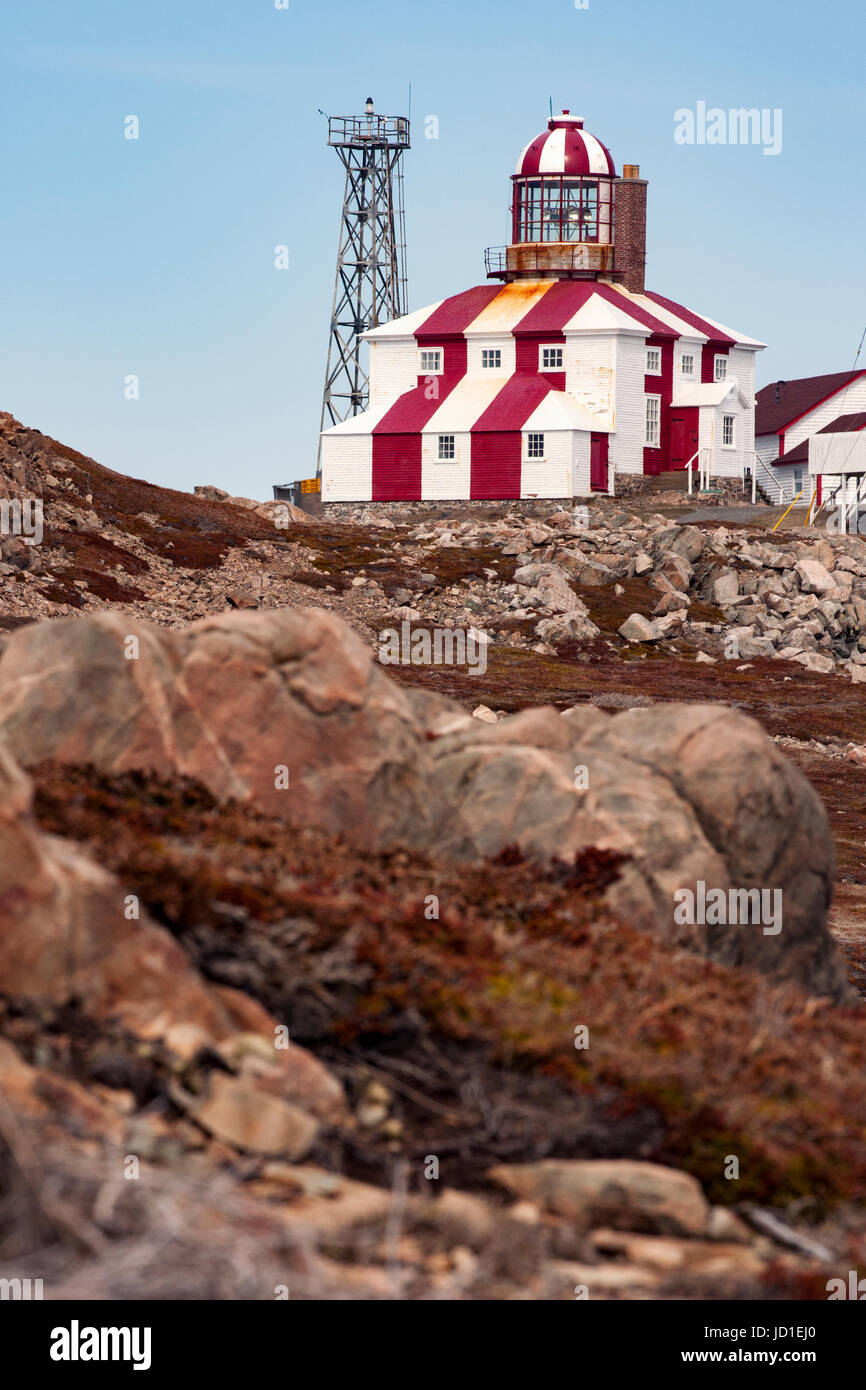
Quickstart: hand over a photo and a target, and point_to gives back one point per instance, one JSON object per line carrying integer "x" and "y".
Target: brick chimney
{"x": 629, "y": 201}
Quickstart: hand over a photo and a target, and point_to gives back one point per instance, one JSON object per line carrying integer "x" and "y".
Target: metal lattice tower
{"x": 370, "y": 283}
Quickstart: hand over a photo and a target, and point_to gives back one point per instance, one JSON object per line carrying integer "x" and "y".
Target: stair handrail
{"x": 775, "y": 481}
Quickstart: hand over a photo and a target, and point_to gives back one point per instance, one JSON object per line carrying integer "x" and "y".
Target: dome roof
{"x": 565, "y": 148}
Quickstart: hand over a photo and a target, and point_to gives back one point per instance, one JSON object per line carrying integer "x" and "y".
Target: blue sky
{"x": 156, "y": 257}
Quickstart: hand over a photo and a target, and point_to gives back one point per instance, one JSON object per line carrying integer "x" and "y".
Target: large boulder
{"x": 284, "y": 709}
{"x": 692, "y": 795}
{"x": 695, "y": 798}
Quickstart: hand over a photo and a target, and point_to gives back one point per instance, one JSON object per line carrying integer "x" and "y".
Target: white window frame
{"x": 798, "y": 487}
{"x": 556, "y": 348}
{"x": 655, "y": 443}
{"x": 732, "y": 444}
{"x": 653, "y": 355}
{"x": 720, "y": 367}
{"x": 487, "y": 366}
{"x": 687, "y": 357}
{"x": 442, "y": 442}
{"x": 536, "y": 435}
{"x": 440, "y": 360}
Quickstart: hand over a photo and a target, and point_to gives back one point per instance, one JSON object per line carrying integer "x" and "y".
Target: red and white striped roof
{"x": 532, "y": 311}
{"x": 565, "y": 148}
{"x": 528, "y": 307}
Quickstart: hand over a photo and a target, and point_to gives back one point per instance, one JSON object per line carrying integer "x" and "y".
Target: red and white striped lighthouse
{"x": 569, "y": 371}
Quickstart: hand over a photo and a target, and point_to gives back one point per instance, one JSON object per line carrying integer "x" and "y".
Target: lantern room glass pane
{"x": 571, "y": 222}
{"x": 552, "y": 211}
{"x": 589, "y": 210}
{"x": 533, "y": 211}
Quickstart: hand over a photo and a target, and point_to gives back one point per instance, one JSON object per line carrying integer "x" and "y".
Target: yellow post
{"x": 811, "y": 505}
{"x": 784, "y": 514}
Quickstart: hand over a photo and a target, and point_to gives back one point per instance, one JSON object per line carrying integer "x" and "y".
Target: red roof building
{"x": 558, "y": 373}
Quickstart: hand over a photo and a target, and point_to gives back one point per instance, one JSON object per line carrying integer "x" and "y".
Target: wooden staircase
{"x": 675, "y": 480}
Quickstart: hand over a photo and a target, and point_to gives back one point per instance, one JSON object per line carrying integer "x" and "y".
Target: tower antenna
{"x": 370, "y": 282}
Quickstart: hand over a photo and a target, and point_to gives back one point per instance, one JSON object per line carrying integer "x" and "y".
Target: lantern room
{"x": 563, "y": 187}
{"x": 565, "y": 193}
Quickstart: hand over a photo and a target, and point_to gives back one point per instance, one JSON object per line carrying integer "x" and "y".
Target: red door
{"x": 684, "y": 436}
{"x": 598, "y": 444}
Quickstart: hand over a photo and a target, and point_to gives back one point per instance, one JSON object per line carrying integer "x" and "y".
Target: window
{"x": 653, "y": 418}
{"x": 535, "y": 446}
{"x": 491, "y": 357}
{"x": 687, "y": 364}
{"x": 727, "y": 431}
{"x": 446, "y": 448}
{"x": 798, "y": 480}
{"x": 431, "y": 360}
{"x": 721, "y": 369}
{"x": 551, "y": 359}
{"x": 654, "y": 361}
{"x": 553, "y": 208}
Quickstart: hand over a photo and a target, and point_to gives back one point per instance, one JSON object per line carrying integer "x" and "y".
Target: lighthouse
{"x": 572, "y": 217}
{"x": 561, "y": 370}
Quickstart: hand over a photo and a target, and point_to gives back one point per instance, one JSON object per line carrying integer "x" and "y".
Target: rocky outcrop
{"x": 73, "y": 935}
{"x": 286, "y": 711}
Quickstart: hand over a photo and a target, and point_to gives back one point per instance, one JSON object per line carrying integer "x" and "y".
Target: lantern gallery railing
{"x": 360, "y": 131}
{"x": 569, "y": 256}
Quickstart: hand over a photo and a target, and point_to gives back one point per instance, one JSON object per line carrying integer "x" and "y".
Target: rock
{"x": 706, "y": 659}
{"x": 675, "y": 570}
{"x": 484, "y": 714}
{"x": 213, "y": 494}
{"x": 565, "y": 627}
{"x": 549, "y": 586}
{"x": 16, "y": 552}
{"x": 228, "y": 700}
{"x": 814, "y": 661}
{"x": 689, "y": 793}
{"x": 642, "y": 563}
{"x": 689, "y": 543}
{"x": 621, "y": 1193}
{"x": 248, "y": 503}
{"x": 726, "y": 587}
{"x": 239, "y": 1114}
{"x": 813, "y": 577}
{"x": 239, "y": 701}
{"x": 857, "y": 673}
{"x": 637, "y": 628}
{"x": 241, "y": 598}
{"x": 671, "y": 602}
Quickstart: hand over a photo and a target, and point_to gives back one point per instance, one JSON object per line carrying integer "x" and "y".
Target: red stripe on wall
{"x": 397, "y": 438}
{"x": 709, "y": 352}
{"x": 396, "y": 467}
{"x": 659, "y": 460}
{"x": 497, "y": 441}
{"x": 495, "y": 467}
